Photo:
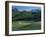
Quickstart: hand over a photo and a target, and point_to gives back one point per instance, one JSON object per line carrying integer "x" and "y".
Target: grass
{"x": 26, "y": 25}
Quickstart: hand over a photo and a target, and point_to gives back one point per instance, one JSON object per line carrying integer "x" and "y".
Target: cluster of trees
{"x": 26, "y": 15}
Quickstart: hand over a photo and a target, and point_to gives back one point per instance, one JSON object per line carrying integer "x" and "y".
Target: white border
{"x": 28, "y": 31}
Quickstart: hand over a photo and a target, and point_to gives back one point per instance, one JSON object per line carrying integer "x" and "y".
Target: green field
{"x": 26, "y": 25}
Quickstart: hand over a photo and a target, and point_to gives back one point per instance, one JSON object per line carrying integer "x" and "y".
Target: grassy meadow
{"x": 26, "y": 25}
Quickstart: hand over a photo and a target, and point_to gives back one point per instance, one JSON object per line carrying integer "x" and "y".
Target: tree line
{"x": 26, "y": 15}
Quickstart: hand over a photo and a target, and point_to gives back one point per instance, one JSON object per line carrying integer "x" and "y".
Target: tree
{"x": 14, "y": 10}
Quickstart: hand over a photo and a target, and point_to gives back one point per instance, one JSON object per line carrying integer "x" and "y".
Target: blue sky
{"x": 27, "y": 8}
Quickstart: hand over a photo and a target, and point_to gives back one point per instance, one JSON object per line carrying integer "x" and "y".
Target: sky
{"x": 26, "y": 8}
